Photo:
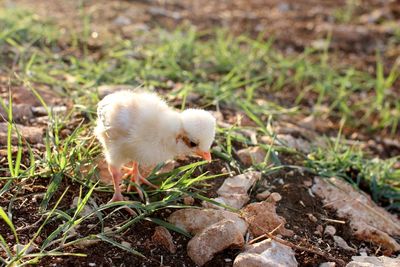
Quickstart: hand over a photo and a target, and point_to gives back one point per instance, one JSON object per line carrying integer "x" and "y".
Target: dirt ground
{"x": 294, "y": 25}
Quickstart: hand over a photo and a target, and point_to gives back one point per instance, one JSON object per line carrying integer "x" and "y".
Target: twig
{"x": 290, "y": 244}
{"x": 332, "y": 220}
{"x": 262, "y": 236}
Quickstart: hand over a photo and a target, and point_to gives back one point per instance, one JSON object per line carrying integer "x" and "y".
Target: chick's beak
{"x": 204, "y": 154}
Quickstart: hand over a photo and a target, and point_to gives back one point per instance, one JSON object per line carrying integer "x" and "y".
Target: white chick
{"x": 139, "y": 127}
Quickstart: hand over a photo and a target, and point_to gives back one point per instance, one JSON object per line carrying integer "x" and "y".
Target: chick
{"x": 139, "y": 127}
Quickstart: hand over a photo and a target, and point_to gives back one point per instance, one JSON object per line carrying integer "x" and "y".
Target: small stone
{"x": 330, "y": 230}
{"x": 33, "y": 135}
{"x": 86, "y": 209}
{"x": 39, "y": 240}
{"x": 214, "y": 239}
{"x": 262, "y": 217}
{"x": 251, "y": 155}
{"x": 308, "y": 183}
{"x": 372, "y": 261}
{"x": 195, "y": 220}
{"x": 122, "y": 21}
{"x": 340, "y": 242}
{"x": 319, "y": 230}
{"x": 263, "y": 195}
{"x": 92, "y": 264}
{"x": 267, "y": 253}
{"x": 126, "y": 244}
{"x": 233, "y": 192}
{"x": 312, "y": 218}
{"x": 189, "y": 201}
{"x": 328, "y": 264}
{"x": 163, "y": 237}
{"x": 275, "y": 196}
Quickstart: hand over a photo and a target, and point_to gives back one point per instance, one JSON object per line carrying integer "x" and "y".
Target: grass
{"x": 226, "y": 71}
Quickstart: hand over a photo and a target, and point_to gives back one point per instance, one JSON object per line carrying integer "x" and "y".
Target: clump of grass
{"x": 377, "y": 177}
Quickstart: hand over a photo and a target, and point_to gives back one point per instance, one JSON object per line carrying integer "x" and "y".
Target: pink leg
{"x": 134, "y": 173}
{"x": 146, "y": 173}
{"x": 116, "y": 176}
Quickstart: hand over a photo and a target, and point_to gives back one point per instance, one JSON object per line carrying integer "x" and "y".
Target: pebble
{"x": 330, "y": 230}
{"x": 263, "y": 195}
{"x": 189, "y": 201}
{"x": 312, "y": 217}
{"x": 275, "y": 196}
{"x": 340, "y": 242}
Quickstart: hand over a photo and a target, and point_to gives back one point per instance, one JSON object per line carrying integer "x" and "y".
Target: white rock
{"x": 267, "y": 253}
{"x": 262, "y": 217}
{"x": 86, "y": 209}
{"x": 233, "y": 191}
{"x": 33, "y": 135}
{"x": 276, "y": 197}
{"x": 340, "y": 242}
{"x": 328, "y": 264}
{"x": 252, "y": 155}
{"x": 263, "y": 195}
{"x": 213, "y": 239}
{"x": 372, "y": 261}
{"x": 330, "y": 230}
{"x": 370, "y": 222}
{"x": 196, "y": 220}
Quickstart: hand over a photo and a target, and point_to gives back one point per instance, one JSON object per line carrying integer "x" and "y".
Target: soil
{"x": 295, "y": 206}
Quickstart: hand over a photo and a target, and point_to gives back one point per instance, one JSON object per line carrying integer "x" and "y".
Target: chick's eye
{"x": 192, "y": 144}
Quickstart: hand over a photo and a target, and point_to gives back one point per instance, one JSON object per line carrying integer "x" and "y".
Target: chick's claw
{"x": 119, "y": 197}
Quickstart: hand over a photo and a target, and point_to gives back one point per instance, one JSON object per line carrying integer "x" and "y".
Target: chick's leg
{"x": 116, "y": 176}
{"x": 146, "y": 172}
{"x": 134, "y": 173}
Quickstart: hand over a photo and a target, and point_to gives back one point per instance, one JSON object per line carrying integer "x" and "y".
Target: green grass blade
{"x": 7, "y": 220}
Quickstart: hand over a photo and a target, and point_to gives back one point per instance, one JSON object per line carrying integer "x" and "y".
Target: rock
{"x": 163, "y": 237}
{"x": 23, "y": 95}
{"x": 297, "y": 143}
{"x": 126, "y": 244}
{"x": 340, "y": 242}
{"x": 372, "y": 261}
{"x": 263, "y": 195}
{"x": 21, "y": 112}
{"x": 276, "y": 197}
{"x": 233, "y": 192}
{"x": 267, "y": 253}
{"x": 86, "y": 209}
{"x": 195, "y": 220}
{"x": 319, "y": 230}
{"x": 214, "y": 239}
{"x": 307, "y": 183}
{"x": 312, "y": 218}
{"x": 122, "y": 21}
{"x": 41, "y": 111}
{"x": 252, "y": 155}
{"x": 330, "y": 230}
{"x": 189, "y": 201}
{"x": 370, "y": 233}
{"x": 104, "y": 90}
{"x": 370, "y": 222}
{"x": 31, "y": 134}
{"x": 327, "y": 264}
{"x": 262, "y": 218}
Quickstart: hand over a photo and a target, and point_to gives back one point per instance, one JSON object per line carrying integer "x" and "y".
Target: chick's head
{"x": 198, "y": 132}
